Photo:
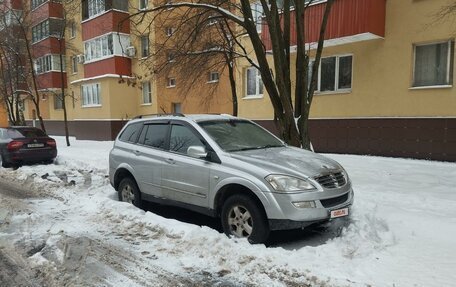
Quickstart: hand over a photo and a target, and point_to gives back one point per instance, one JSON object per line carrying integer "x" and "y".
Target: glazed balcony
{"x": 349, "y": 21}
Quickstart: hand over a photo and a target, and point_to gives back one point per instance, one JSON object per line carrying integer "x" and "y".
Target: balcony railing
{"x": 349, "y": 21}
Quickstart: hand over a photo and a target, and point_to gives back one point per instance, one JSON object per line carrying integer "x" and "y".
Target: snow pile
{"x": 70, "y": 230}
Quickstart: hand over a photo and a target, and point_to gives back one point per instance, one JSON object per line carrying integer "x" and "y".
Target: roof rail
{"x": 159, "y": 115}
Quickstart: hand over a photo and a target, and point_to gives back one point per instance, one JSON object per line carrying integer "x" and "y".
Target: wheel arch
{"x": 235, "y": 188}
{"x": 120, "y": 174}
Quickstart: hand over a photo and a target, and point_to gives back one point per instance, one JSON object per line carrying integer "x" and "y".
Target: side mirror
{"x": 197, "y": 151}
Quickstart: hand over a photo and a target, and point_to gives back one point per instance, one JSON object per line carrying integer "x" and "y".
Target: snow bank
{"x": 401, "y": 231}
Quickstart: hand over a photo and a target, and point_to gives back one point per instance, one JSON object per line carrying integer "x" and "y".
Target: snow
{"x": 401, "y": 231}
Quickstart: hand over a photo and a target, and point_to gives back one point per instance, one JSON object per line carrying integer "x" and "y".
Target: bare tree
{"x": 277, "y": 78}
{"x": 19, "y": 26}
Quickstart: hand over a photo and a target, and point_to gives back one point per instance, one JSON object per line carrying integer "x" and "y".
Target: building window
{"x": 214, "y": 77}
{"x": 254, "y": 83}
{"x": 335, "y": 74}
{"x": 212, "y": 20}
{"x": 171, "y": 82}
{"x": 170, "y": 57}
{"x": 58, "y": 102}
{"x": 144, "y": 46}
{"x": 50, "y": 27}
{"x": 143, "y": 4}
{"x": 169, "y": 31}
{"x": 72, "y": 30}
{"x": 105, "y": 46}
{"x": 91, "y": 94}
{"x": 146, "y": 93}
{"x": 48, "y": 63}
{"x": 177, "y": 108}
{"x": 95, "y": 7}
{"x": 257, "y": 13}
{"x": 433, "y": 64}
{"x": 40, "y": 31}
{"x": 74, "y": 64}
{"x": 36, "y": 3}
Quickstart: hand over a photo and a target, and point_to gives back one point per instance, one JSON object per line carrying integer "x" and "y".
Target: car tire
{"x": 128, "y": 191}
{"x": 242, "y": 217}
{"x": 4, "y": 163}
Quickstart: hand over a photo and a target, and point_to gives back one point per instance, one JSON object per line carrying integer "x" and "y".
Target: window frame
{"x": 145, "y": 52}
{"x": 49, "y": 63}
{"x": 449, "y": 66}
{"x": 168, "y": 82}
{"x": 336, "y": 75}
{"x": 58, "y": 102}
{"x": 74, "y": 64}
{"x": 88, "y": 99}
{"x": 149, "y": 93}
{"x": 258, "y": 80}
{"x": 211, "y": 79}
{"x": 146, "y": 2}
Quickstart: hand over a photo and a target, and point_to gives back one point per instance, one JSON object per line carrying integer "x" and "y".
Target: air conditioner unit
{"x": 130, "y": 51}
{"x": 81, "y": 59}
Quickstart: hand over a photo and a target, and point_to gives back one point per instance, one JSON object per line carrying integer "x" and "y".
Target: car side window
{"x": 154, "y": 135}
{"x": 131, "y": 132}
{"x": 182, "y": 138}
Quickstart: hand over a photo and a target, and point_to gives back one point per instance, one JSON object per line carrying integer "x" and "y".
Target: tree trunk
{"x": 62, "y": 78}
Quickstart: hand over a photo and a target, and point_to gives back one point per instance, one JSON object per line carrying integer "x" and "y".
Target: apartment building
{"x": 107, "y": 76}
{"x": 385, "y": 84}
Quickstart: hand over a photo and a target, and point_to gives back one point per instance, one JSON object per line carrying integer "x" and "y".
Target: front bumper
{"x": 282, "y": 214}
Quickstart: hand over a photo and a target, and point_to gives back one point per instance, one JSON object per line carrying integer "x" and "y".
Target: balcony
{"x": 114, "y": 65}
{"x": 349, "y": 21}
{"x": 51, "y": 80}
{"x": 110, "y": 21}
{"x": 47, "y": 10}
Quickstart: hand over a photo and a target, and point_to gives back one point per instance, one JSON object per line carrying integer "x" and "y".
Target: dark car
{"x": 20, "y": 145}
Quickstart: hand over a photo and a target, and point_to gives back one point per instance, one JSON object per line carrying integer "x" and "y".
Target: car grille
{"x": 332, "y": 180}
{"x": 330, "y": 202}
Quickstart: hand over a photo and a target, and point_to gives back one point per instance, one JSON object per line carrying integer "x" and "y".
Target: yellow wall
{"x": 382, "y": 71}
{"x": 3, "y": 116}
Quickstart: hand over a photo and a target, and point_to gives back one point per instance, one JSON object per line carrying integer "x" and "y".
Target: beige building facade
{"x": 398, "y": 96}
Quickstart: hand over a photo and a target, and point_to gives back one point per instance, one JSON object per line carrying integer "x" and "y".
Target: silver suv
{"x": 230, "y": 168}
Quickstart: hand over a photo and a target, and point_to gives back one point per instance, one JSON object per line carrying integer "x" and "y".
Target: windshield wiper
{"x": 256, "y": 147}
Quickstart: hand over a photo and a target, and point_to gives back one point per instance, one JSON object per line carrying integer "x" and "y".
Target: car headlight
{"x": 287, "y": 183}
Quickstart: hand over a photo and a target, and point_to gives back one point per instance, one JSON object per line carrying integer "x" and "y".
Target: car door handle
{"x": 170, "y": 161}
{"x": 137, "y": 152}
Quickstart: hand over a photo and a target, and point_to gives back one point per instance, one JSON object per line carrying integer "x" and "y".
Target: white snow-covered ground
{"x": 68, "y": 229}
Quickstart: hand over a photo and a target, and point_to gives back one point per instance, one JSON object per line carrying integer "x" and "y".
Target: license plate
{"x": 35, "y": 145}
{"x": 339, "y": 213}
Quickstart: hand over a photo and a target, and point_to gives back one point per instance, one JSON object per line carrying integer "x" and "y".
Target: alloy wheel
{"x": 240, "y": 221}
{"x": 127, "y": 194}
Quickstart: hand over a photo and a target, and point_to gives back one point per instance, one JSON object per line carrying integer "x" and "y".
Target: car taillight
{"x": 14, "y": 145}
{"x": 51, "y": 143}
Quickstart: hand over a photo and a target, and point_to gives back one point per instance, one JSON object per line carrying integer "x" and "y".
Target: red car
{"x": 20, "y": 145}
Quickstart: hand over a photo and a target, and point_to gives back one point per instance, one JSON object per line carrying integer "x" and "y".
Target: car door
{"x": 148, "y": 153}
{"x": 184, "y": 178}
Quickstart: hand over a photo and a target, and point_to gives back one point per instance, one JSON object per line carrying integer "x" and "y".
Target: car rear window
{"x": 25, "y": 133}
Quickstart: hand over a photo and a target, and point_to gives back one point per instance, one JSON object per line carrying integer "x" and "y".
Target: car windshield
{"x": 25, "y": 133}
{"x": 239, "y": 135}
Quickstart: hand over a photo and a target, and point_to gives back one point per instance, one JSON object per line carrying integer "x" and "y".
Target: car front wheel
{"x": 128, "y": 191}
{"x": 242, "y": 217}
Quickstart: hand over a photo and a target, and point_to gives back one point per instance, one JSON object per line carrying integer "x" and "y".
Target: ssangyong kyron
{"x": 230, "y": 168}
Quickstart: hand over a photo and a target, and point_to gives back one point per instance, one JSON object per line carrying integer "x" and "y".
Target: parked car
{"x": 230, "y": 168}
{"x": 20, "y": 145}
